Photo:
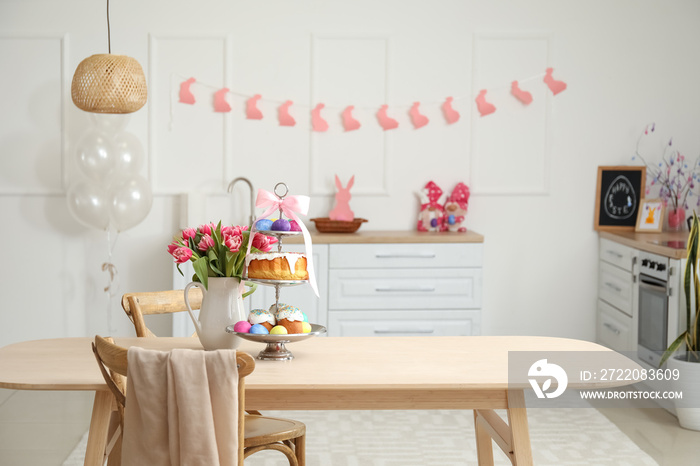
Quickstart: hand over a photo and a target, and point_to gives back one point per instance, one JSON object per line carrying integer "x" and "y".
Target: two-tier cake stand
{"x": 275, "y": 349}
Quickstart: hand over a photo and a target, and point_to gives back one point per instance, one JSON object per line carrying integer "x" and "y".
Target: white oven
{"x": 659, "y": 299}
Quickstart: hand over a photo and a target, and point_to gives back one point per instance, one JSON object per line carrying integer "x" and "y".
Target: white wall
{"x": 626, "y": 63}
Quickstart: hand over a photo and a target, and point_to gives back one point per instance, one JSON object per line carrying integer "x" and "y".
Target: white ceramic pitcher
{"x": 222, "y": 305}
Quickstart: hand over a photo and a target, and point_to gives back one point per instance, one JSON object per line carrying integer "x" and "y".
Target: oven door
{"x": 653, "y": 320}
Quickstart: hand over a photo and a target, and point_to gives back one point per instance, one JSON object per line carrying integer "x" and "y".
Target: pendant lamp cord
{"x": 109, "y": 34}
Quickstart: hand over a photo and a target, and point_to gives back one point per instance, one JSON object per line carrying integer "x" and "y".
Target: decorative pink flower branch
{"x": 675, "y": 178}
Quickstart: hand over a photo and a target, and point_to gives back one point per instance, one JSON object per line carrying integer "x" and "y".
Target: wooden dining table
{"x": 328, "y": 373}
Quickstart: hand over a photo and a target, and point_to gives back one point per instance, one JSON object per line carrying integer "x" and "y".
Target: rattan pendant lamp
{"x": 106, "y": 83}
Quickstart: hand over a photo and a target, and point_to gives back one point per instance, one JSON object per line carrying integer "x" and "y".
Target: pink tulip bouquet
{"x": 216, "y": 251}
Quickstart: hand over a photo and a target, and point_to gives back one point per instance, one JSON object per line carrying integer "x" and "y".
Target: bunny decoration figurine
{"x": 341, "y": 210}
{"x": 432, "y": 213}
{"x": 456, "y": 208}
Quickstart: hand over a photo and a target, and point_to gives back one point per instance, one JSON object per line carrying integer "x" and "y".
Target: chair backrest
{"x": 113, "y": 358}
{"x": 137, "y": 305}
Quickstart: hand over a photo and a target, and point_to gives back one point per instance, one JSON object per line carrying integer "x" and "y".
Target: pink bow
{"x": 290, "y": 205}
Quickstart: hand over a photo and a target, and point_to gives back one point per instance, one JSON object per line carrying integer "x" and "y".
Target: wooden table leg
{"x": 99, "y": 425}
{"x": 520, "y": 434}
{"x": 484, "y": 446}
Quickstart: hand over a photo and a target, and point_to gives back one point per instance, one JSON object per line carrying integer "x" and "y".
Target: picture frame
{"x": 619, "y": 194}
{"x": 650, "y": 218}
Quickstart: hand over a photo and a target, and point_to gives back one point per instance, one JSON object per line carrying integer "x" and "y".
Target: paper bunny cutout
{"x": 186, "y": 96}
{"x": 342, "y": 210}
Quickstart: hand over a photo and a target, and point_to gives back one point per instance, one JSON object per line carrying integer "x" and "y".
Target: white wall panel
{"x": 510, "y": 151}
{"x": 188, "y": 143}
{"x": 31, "y": 130}
{"x": 44, "y": 279}
{"x": 350, "y": 70}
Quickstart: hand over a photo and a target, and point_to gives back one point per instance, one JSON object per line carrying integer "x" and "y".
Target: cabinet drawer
{"x": 405, "y": 255}
{"x": 402, "y": 323}
{"x": 614, "y": 328}
{"x": 404, "y": 289}
{"x": 615, "y": 287}
{"x": 617, "y": 254}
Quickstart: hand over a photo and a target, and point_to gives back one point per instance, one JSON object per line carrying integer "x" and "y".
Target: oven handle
{"x": 652, "y": 284}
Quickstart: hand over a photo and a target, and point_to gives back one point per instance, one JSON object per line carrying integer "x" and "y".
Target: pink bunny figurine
{"x": 342, "y": 210}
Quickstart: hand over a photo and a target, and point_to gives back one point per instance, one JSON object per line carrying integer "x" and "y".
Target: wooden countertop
{"x": 650, "y": 242}
{"x": 389, "y": 236}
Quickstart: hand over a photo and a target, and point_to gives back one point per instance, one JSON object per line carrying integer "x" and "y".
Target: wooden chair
{"x": 255, "y": 433}
{"x": 137, "y": 305}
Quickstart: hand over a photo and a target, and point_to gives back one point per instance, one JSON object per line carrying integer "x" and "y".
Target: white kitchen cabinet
{"x": 383, "y": 283}
{"x": 434, "y": 288}
{"x": 618, "y": 254}
{"x": 404, "y": 323}
{"x": 404, "y": 289}
{"x": 614, "y": 329}
{"x": 618, "y": 292}
{"x": 616, "y": 286}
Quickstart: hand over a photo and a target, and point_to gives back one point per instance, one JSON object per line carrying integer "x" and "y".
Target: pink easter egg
{"x": 294, "y": 226}
{"x": 242, "y": 326}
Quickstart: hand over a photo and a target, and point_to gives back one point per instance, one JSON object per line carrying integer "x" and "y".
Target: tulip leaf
{"x": 230, "y": 263}
{"x": 253, "y": 286}
{"x": 202, "y": 271}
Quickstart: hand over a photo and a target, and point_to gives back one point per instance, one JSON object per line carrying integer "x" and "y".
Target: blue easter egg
{"x": 306, "y": 318}
{"x": 263, "y": 224}
{"x": 434, "y": 223}
{"x": 259, "y": 329}
{"x": 280, "y": 225}
{"x": 451, "y": 219}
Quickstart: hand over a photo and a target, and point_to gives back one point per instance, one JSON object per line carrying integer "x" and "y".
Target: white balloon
{"x": 128, "y": 152}
{"x": 110, "y": 123}
{"x": 131, "y": 200}
{"x": 95, "y": 154}
{"x": 89, "y": 204}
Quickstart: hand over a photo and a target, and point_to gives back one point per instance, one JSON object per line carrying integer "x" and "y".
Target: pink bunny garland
{"x": 350, "y": 123}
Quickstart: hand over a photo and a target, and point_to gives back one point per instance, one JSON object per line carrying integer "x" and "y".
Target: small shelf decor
{"x": 106, "y": 83}
{"x": 326, "y": 225}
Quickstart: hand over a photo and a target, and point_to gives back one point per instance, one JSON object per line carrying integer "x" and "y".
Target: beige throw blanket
{"x": 181, "y": 408}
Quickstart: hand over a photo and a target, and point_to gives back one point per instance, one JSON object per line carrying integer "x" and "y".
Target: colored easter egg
{"x": 306, "y": 318}
{"x": 433, "y": 223}
{"x": 263, "y": 224}
{"x": 280, "y": 225}
{"x": 278, "y": 330}
{"x": 259, "y": 329}
{"x": 242, "y": 326}
{"x": 451, "y": 219}
{"x": 294, "y": 226}
{"x": 305, "y": 327}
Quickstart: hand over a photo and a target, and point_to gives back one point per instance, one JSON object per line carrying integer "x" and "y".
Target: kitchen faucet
{"x": 250, "y": 185}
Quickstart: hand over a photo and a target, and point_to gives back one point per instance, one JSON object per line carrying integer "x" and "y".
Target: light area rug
{"x": 559, "y": 437}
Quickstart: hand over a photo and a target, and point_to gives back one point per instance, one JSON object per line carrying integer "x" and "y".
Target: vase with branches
{"x": 673, "y": 176}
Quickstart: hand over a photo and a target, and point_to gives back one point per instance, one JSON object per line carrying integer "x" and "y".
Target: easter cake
{"x": 277, "y": 266}
{"x": 262, "y": 317}
{"x": 290, "y": 317}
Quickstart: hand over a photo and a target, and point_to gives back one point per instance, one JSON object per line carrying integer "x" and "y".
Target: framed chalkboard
{"x": 619, "y": 194}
